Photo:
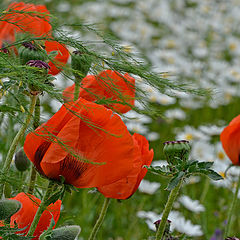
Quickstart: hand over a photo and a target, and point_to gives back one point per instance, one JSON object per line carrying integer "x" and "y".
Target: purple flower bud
{"x": 38, "y": 64}
{"x": 167, "y": 228}
{"x": 29, "y": 45}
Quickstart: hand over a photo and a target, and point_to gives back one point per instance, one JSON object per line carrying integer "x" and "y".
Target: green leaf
{"x": 213, "y": 175}
{"x": 164, "y": 170}
{"x": 174, "y": 181}
{"x": 205, "y": 165}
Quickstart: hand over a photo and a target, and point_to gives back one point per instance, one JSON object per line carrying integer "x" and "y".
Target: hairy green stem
{"x": 205, "y": 189}
{"x": 77, "y": 89}
{"x": 32, "y": 181}
{"x": 101, "y": 217}
{"x": 231, "y": 210}
{"x": 15, "y": 142}
{"x": 36, "y": 123}
{"x": 41, "y": 208}
{"x": 172, "y": 196}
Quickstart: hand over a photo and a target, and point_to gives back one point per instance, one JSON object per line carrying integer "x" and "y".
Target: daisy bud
{"x": 29, "y": 51}
{"x": 81, "y": 62}
{"x": 21, "y": 161}
{"x": 176, "y": 151}
{"x": 8, "y": 207}
{"x": 64, "y": 233}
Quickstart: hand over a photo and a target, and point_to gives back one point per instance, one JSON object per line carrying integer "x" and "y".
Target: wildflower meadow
{"x": 119, "y": 120}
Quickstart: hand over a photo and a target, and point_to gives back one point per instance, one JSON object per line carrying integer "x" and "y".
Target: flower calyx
{"x": 41, "y": 72}
{"x": 81, "y": 63}
{"x": 29, "y": 51}
{"x": 176, "y": 151}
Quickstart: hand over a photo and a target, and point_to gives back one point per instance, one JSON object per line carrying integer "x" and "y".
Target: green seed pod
{"x": 21, "y": 161}
{"x": 176, "y": 151}
{"x": 28, "y": 52}
{"x": 8, "y": 207}
{"x": 81, "y": 62}
{"x": 63, "y": 233}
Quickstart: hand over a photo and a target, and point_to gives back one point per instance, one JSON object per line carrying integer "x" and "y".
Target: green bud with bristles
{"x": 62, "y": 233}
{"x": 21, "y": 161}
{"x": 176, "y": 151}
{"x": 8, "y": 207}
{"x": 29, "y": 51}
{"x": 81, "y": 62}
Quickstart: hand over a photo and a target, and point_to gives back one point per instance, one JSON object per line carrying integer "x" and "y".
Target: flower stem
{"x": 15, "y": 142}
{"x": 167, "y": 209}
{"x": 36, "y": 123}
{"x": 77, "y": 89}
{"x": 40, "y": 209}
{"x": 231, "y": 210}
{"x": 32, "y": 180}
{"x": 101, "y": 217}
{"x": 205, "y": 190}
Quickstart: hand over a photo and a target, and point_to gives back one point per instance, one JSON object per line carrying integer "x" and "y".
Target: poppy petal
{"x": 60, "y": 60}
{"x": 230, "y": 138}
{"x": 24, "y": 217}
{"x": 101, "y": 137}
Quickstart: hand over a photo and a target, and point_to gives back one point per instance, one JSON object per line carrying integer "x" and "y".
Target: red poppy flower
{"x": 109, "y": 85}
{"x": 91, "y": 132}
{"x": 127, "y": 186}
{"x": 230, "y": 138}
{"x": 60, "y": 60}
{"x": 33, "y": 19}
{"x": 24, "y": 217}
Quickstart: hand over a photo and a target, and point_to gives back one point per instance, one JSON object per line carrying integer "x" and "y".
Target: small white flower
{"x": 202, "y": 151}
{"x": 192, "y": 205}
{"x": 148, "y": 187}
{"x": 152, "y": 136}
{"x": 175, "y": 114}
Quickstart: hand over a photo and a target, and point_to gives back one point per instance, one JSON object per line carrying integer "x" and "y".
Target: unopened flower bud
{"x": 176, "y": 151}
{"x": 29, "y": 51}
{"x": 21, "y": 161}
{"x": 167, "y": 228}
{"x": 64, "y": 233}
{"x": 8, "y": 207}
{"x": 37, "y": 64}
{"x": 81, "y": 62}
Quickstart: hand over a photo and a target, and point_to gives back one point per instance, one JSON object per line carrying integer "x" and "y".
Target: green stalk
{"x": 32, "y": 181}
{"x": 36, "y": 123}
{"x": 231, "y": 210}
{"x": 77, "y": 88}
{"x": 41, "y": 208}
{"x": 172, "y": 196}
{"x": 101, "y": 217}
{"x": 205, "y": 190}
{"x": 15, "y": 142}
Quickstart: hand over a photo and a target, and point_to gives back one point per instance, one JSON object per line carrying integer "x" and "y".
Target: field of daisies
{"x": 194, "y": 45}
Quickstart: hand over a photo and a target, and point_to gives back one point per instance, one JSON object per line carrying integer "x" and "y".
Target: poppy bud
{"x": 167, "y": 228}
{"x": 81, "y": 62}
{"x": 43, "y": 75}
{"x": 176, "y": 151}
{"x": 8, "y": 207}
{"x": 64, "y": 233}
{"x": 21, "y": 161}
{"x": 29, "y": 51}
